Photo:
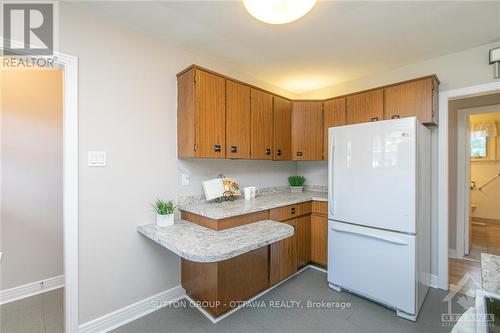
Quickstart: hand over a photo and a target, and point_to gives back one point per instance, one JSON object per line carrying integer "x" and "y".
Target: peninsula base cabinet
{"x": 221, "y": 286}
{"x": 283, "y": 257}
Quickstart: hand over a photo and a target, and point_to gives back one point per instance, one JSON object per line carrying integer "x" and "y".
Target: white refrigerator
{"x": 379, "y": 212}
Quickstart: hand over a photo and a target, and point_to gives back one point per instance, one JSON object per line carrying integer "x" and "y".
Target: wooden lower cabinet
{"x": 303, "y": 232}
{"x": 319, "y": 239}
{"x": 219, "y": 286}
{"x": 283, "y": 257}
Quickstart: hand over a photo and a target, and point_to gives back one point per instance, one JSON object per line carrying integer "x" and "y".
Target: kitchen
{"x": 181, "y": 99}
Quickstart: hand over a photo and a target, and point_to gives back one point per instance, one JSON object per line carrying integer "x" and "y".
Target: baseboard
{"x": 452, "y": 253}
{"x": 132, "y": 312}
{"x": 31, "y": 289}
{"x": 434, "y": 281}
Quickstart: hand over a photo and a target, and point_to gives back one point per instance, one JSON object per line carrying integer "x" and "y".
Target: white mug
{"x": 250, "y": 192}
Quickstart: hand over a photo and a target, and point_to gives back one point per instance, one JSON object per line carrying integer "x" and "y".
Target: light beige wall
{"x": 488, "y": 200}
{"x": 127, "y": 106}
{"x": 31, "y": 176}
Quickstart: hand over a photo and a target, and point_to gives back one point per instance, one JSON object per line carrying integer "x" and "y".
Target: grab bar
{"x": 489, "y": 182}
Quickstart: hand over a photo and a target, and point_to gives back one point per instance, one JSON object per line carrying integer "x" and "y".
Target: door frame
{"x": 443, "y": 169}
{"x": 69, "y": 65}
{"x": 463, "y": 175}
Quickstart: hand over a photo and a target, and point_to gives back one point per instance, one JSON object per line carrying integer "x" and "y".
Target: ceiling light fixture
{"x": 278, "y": 11}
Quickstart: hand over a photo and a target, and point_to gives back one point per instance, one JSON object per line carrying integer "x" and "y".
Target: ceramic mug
{"x": 250, "y": 192}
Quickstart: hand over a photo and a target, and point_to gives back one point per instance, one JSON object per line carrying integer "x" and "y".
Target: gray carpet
{"x": 362, "y": 316}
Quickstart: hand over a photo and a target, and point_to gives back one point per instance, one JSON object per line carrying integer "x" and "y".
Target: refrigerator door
{"x": 372, "y": 172}
{"x": 376, "y": 264}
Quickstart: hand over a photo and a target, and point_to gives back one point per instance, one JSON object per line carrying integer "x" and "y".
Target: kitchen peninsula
{"x": 232, "y": 251}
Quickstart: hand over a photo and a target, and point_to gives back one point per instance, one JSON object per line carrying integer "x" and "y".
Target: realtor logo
{"x": 31, "y": 25}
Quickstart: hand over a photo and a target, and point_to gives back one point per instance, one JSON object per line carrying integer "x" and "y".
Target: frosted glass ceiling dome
{"x": 278, "y": 11}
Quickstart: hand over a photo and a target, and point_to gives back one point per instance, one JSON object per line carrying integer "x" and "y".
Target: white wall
{"x": 127, "y": 106}
{"x": 461, "y": 69}
{"x": 31, "y": 176}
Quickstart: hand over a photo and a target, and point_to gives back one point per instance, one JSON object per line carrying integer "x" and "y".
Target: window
{"x": 479, "y": 145}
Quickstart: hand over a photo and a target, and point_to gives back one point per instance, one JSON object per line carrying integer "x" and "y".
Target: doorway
{"x": 483, "y": 227}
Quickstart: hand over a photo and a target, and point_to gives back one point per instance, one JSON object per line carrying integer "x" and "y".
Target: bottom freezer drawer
{"x": 374, "y": 263}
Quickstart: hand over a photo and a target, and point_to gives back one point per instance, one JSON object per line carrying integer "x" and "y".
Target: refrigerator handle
{"x": 393, "y": 240}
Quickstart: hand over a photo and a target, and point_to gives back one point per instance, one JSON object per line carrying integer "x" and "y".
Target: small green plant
{"x": 296, "y": 180}
{"x": 163, "y": 207}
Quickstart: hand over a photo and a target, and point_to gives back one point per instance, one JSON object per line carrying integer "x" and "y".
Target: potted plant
{"x": 164, "y": 212}
{"x": 296, "y": 183}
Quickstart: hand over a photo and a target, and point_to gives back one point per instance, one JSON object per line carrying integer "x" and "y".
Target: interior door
{"x": 373, "y": 176}
{"x": 210, "y": 115}
{"x": 262, "y": 124}
{"x": 373, "y": 263}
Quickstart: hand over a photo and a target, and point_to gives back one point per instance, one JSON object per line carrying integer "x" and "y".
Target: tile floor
{"x": 43, "y": 313}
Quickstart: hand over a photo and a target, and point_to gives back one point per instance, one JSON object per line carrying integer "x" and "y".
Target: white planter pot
{"x": 296, "y": 189}
{"x": 164, "y": 220}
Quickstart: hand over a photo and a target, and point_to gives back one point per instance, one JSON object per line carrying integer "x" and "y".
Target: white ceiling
{"x": 336, "y": 42}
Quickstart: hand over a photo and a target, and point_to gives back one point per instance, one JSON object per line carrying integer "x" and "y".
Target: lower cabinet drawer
{"x": 283, "y": 213}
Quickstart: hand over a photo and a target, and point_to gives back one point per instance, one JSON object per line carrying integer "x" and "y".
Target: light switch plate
{"x": 97, "y": 159}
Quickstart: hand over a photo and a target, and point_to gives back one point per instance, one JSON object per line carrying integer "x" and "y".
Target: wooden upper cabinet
{"x": 416, "y": 98}
{"x": 307, "y": 130}
{"x": 365, "y": 107}
{"x": 262, "y": 123}
{"x": 201, "y": 114}
{"x": 333, "y": 115}
{"x": 282, "y": 129}
{"x": 237, "y": 120}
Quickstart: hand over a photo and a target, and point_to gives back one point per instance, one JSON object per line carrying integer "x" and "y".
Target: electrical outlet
{"x": 185, "y": 179}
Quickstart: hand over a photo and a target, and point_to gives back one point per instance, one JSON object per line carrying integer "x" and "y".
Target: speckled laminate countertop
{"x": 241, "y": 206}
{"x": 490, "y": 272}
{"x": 196, "y": 243}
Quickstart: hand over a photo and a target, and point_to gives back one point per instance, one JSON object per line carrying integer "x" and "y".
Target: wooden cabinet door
{"x": 283, "y": 262}
{"x": 262, "y": 123}
{"x": 365, "y": 107}
{"x": 333, "y": 115}
{"x": 303, "y": 230}
{"x": 237, "y": 120}
{"x": 307, "y": 131}
{"x": 210, "y": 115}
{"x": 411, "y": 99}
{"x": 282, "y": 129}
{"x": 319, "y": 239}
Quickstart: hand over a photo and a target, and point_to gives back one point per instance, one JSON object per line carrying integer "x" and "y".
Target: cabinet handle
{"x": 292, "y": 210}
{"x": 278, "y": 152}
{"x": 234, "y": 149}
{"x": 395, "y": 116}
{"x": 374, "y": 119}
{"x": 299, "y": 153}
{"x": 268, "y": 151}
{"x": 217, "y": 148}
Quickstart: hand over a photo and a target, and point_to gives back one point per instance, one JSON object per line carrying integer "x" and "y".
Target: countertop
{"x": 196, "y": 243}
{"x": 241, "y": 206}
{"x": 490, "y": 272}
